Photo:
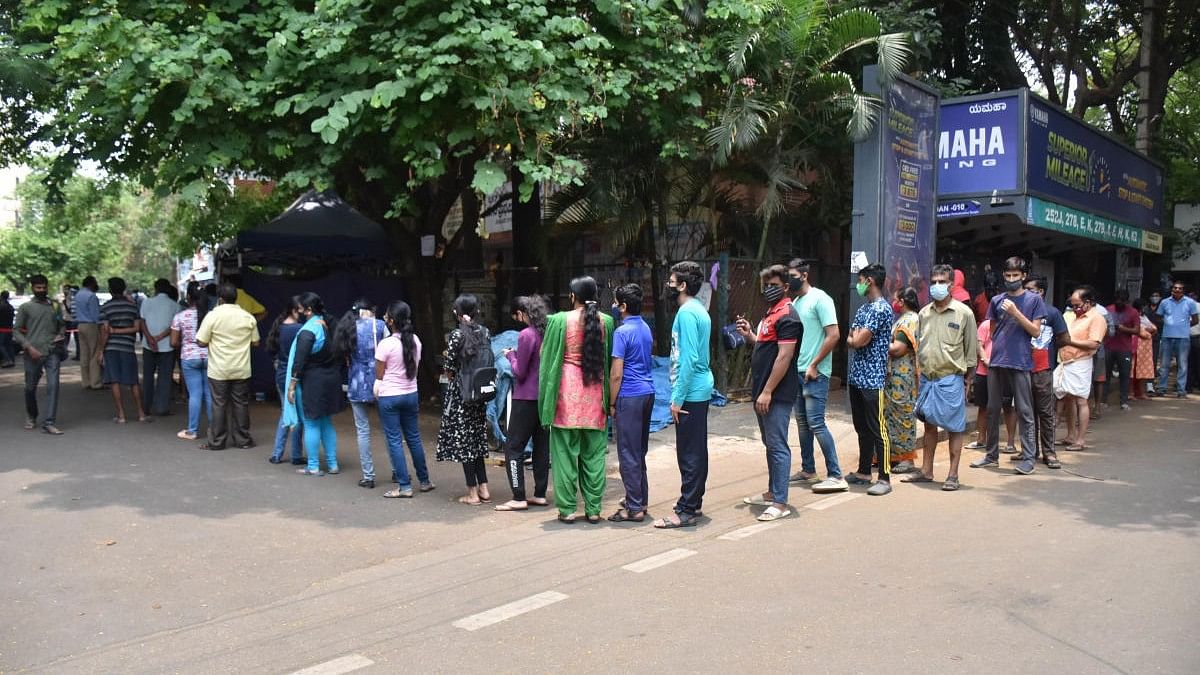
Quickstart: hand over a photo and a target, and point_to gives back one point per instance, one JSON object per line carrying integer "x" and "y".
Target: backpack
{"x": 477, "y": 377}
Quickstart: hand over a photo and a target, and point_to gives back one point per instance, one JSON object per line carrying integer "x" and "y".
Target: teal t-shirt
{"x": 816, "y": 312}
{"x": 691, "y": 378}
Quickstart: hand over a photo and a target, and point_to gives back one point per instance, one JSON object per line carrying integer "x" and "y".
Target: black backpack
{"x": 477, "y": 377}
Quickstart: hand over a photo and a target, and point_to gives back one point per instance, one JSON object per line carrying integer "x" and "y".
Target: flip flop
{"x": 1061, "y": 442}
{"x": 951, "y": 484}
{"x": 593, "y": 518}
{"x": 398, "y": 494}
{"x": 508, "y": 506}
{"x": 1077, "y": 447}
{"x": 467, "y": 500}
{"x": 757, "y": 500}
{"x": 668, "y": 524}
{"x": 118, "y": 420}
{"x": 919, "y": 478}
{"x": 774, "y": 513}
{"x": 534, "y": 502}
{"x": 566, "y": 520}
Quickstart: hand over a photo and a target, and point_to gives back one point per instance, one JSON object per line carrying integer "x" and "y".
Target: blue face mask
{"x": 939, "y": 291}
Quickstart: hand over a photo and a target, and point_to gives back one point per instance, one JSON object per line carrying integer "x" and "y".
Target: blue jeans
{"x": 195, "y": 377}
{"x": 1178, "y": 348}
{"x": 774, "y": 429}
{"x": 319, "y": 432}
{"x": 398, "y": 416}
{"x": 810, "y": 420}
{"x": 362, "y": 428}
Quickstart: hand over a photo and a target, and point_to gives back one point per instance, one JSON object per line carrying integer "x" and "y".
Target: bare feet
{"x": 513, "y": 505}
{"x": 484, "y": 495}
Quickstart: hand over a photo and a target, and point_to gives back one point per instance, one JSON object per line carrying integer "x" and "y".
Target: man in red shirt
{"x": 1118, "y": 347}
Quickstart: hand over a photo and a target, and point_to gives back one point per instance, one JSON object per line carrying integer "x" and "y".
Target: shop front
{"x": 1019, "y": 176}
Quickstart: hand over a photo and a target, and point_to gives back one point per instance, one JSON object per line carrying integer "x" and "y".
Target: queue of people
{"x": 577, "y": 374}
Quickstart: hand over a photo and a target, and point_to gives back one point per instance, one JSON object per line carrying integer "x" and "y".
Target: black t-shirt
{"x": 781, "y": 325}
{"x": 6, "y": 315}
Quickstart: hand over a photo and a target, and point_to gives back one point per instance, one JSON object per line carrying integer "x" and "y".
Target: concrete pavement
{"x": 127, "y": 550}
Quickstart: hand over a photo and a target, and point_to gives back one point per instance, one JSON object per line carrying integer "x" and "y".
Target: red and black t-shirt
{"x": 781, "y": 325}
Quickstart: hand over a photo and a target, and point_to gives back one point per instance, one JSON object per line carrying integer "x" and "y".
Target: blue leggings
{"x": 318, "y": 432}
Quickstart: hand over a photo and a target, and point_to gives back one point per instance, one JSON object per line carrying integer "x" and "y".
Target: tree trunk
{"x": 1145, "y": 77}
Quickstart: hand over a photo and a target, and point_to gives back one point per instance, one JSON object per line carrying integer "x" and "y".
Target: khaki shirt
{"x": 229, "y": 331}
{"x": 948, "y": 340}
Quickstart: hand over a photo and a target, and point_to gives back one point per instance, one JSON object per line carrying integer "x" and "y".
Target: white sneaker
{"x": 831, "y": 485}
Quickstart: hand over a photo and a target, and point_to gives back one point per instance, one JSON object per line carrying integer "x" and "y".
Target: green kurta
{"x": 577, "y": 455}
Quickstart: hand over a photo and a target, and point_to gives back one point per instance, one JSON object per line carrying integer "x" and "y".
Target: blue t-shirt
{"x": 691, "y": 378}
{"x": 1177, "y": 316}
{"x": 362, "y": 361}
{"x": 633, "y": 344}
{"x": 868, "y": 367}
{"x": 1010, "y": 342}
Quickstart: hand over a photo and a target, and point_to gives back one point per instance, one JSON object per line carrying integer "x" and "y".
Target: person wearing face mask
{"x": 774, "y": 386}
{"x": 900, "y": 391}
{"x": 357, "y": 335}
{"x": 1016, "y": 315}
{"x": 947, "y": 353}
{"x": 1086, "y": 330}
{"x": 314, "y": 395}
{"x": 1118, "y": 347}
{"x": 39, "y": 329}
{"x": 1179, "y": 314}
{"x": 279, "y": 345}
{"x": 631, "y": 401}
{"x": 1054, "y": 331}
{"x": 870, "y": 336}
{"x": 819, "y": 336}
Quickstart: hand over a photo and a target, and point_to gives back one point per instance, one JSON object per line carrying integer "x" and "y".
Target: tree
{"x": 401, "y": 107}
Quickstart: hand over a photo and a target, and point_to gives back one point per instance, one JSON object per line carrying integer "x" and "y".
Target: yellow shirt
{"x": 229, "y": 331}
{"x": 1091, "y": 326}
{"x": 948, "y": 341}
{"x": 249, "y": 303}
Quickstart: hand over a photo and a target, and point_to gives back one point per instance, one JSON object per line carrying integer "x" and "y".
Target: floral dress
{"x": 900, "y": 392}
{"x": 463, "y": 434}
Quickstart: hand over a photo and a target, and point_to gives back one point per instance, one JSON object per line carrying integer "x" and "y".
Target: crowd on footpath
{"x": 580, "y": 373}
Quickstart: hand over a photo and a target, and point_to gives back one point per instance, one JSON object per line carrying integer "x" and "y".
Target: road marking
{"x": 505, "y": 612}
{"x": 747, "y": 531}
{"x": 823, "y": 504}
{"x": 338, "y": 666}
{"x": 656, "y": 561}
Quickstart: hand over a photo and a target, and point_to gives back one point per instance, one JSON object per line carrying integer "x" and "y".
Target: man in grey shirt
{"x": 41, "y": 331}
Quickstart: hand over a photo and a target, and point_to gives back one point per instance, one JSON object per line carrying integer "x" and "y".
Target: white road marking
{"x": 505, "y": 612}
{"x": 338, "y": 666}
{"x": 747, "y": 531}
{"x": 656, "y": 561}
{"x": 823, "y": 504}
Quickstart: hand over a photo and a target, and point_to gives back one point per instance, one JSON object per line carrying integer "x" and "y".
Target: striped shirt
{"x": 119, "y": 313}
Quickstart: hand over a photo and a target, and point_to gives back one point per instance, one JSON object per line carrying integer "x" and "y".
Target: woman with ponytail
{"x": 396, "y": 360}
{"x": 572, "y": 399}
{"x": 279, "y": 345}
{"x": 358, "y": 333}
{"x": 523, "y": 423}
{"x": 463, "y": 435}
{"x": 314, "y": 391}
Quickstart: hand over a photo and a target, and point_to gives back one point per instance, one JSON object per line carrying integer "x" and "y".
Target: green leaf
{"x": 489, "y": 176}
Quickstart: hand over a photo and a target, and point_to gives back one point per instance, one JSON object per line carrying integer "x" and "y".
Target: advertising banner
{"x": 1074, "y": 164}
{"x": 979, "y": 147}
{"x": 1065, "y": 219}
{"x": 909, "y": 198}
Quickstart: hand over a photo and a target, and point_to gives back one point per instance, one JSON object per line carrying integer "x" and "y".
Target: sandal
{"x": 511, "y": 505}
{"x": 1062, "y": 442}
{"x": 466, "y": 499}
{"x": 534, "y": 501}
{"x": 593, "y": 518}
{"x": 951, "y": 484}
{"x": 398, "y": 494}
{"x": 566, "y": 520}
{"x": 685, "y": 520}
{"x": 622, "y": 516}
{"x": 919, "y": 478}
{"x": 307, "y": 472}
{"x": 118, "y": 420}
{"x": 774, "y": 513}
{"x": 186, "y": 435}
{"x": 428, "y": 487}
{"x": 1077, "y": 447}
{"x": 757, "y": 500}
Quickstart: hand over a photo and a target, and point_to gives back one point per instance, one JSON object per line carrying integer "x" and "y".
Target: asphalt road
{"x": 127, "y": 550}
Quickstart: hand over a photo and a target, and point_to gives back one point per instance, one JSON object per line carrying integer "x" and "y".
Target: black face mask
{"x": 671, "y": 293}
{"x": 1011, "y": 286}
{"x": 772, "y": 294}
{"x": 795, "y": 284}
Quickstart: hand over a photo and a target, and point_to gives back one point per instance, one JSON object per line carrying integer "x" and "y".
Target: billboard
{"x": 909, "y": 196}
{"x": 979, "y": 144}
{"x": 1071, "y": 163}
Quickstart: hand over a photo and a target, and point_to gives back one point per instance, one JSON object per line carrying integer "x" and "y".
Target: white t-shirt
{"x": 396, "y": 380}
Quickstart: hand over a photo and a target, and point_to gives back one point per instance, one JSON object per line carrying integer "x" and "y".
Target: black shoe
{"x": 299, "y": 462}
{"x": 247, "y": 446}
{"x": 275, "y": 460}
{"x": 364, "y": 483}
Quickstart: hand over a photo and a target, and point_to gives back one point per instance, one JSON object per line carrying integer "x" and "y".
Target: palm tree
{"x": 790, "y": 84}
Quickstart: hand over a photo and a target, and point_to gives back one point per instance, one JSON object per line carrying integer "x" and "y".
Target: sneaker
{"x": 1124, "y": 406}
{"x": 1025, "y": 468}
{"x": 880, "y": 488}
{"x": 831, "y": 485}
{"x": 984, "y": 461}
{"x": 975, "y": 445}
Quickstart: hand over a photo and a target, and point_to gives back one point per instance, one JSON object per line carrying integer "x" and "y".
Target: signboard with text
{"x": 1074, "y": 164}
{"x": 1052, "y": 216}
{"x": 979, "y": 144}
{"x": 909, "y": 195}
